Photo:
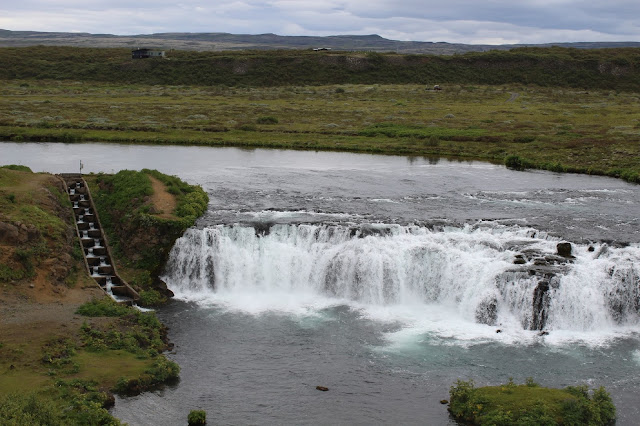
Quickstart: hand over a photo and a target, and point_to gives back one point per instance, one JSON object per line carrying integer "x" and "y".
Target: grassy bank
{"x": 64, "y": 346}
{"x": 69, "y": 378}
{"x": 530, "y": 404}
{"x": 559, "y": 129}
{"x": 140, "y": 233}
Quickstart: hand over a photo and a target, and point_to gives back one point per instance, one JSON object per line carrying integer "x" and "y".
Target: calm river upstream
{"x": 383, "y": 278}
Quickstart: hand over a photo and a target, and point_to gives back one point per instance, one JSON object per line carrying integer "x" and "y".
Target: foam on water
{"x": 447, "y": 284}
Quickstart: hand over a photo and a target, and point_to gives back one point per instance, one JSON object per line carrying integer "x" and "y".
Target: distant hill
{"x": 225, "y": 41}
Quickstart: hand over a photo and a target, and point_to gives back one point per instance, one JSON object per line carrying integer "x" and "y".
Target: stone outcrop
{"x": 18, "y": 233}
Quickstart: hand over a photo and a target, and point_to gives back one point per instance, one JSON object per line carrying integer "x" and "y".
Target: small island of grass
{"x": 530, "y": 404}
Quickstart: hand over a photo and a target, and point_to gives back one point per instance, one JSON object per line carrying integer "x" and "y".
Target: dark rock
{"x": 33, "y": 233}
{"x": 161, "y": 287}
{"x": 9, "y": 234}
{"x": 564, "y": 249}
{"x": 498, "y": 331}
{"x": 262, "y": 229}
{"x": 444, "y": 401}
{"x": 322, "y": 388}
{"x": 590, "y": 249}
{"x": 543, "y": 333}
{"x": 368, "y": 230}
{"x": 487, "y": 311}
{"x": 109, "y": 401}
{"x": 540, "y": 305}
{"x": 519, "y": 260}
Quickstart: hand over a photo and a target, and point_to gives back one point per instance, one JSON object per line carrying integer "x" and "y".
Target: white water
{"x": 430, "y": 281}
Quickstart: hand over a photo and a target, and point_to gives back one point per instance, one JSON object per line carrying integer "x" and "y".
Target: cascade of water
{"x": 469, "y": 269}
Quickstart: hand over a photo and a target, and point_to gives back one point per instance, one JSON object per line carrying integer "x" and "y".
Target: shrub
{"x": 105, "y": 307}
{"x": 267, "y": 120}
{"x": 197, "y": 417}
{"x": 16, "y": 409}
{"x": 151, "y": 298}
{"x": 515, "y": 162}
{"x": 161, "y": 372}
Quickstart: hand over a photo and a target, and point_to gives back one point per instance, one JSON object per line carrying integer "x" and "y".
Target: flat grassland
{"x": 559, "y": 129}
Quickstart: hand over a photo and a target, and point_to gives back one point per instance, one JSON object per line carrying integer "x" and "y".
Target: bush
{"x": 197, "y": 417}
{"x": 267, "y": 120}
{"x": 16, "y": 409}
{"x": 161, "y": 372}
{"x": 105, "y": 307}
{"x": 151, "y": 298}
{"x": 515, "y": 162}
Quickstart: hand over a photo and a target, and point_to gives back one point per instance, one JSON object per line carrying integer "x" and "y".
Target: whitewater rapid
{"x": 455, "y": 282}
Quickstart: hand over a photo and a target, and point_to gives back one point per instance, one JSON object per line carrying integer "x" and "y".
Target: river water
{"x": 385, "y": 279}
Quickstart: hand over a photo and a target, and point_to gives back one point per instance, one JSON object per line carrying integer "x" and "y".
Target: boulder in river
{"x": 564, "y": 249}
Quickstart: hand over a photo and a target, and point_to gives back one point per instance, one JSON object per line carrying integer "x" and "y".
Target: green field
{"x": 559, "y": 129}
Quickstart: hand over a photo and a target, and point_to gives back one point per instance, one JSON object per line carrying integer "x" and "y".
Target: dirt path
{"x": 163, "y": 202}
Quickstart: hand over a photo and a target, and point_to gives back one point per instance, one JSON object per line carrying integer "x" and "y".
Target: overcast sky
{"x": 457, "y": 21}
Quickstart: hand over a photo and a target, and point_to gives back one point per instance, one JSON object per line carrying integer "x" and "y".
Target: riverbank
{"x": 558, "y": 129}
{"x": 64, "y": 346}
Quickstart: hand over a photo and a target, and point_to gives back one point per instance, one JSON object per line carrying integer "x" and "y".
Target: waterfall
{"x": 486, "y": 275}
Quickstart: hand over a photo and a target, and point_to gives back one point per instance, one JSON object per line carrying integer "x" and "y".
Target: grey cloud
{"x": 466, "y": 21}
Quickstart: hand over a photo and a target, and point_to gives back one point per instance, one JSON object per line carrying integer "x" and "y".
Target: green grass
{"x": 140, "y": 333}
{"x": 559, "y": 129}
{"x": 530, "y": 404}
{"x": 103, "y": 307}
{"x": 29, "y": 199}
{"x": 141, "y": 241}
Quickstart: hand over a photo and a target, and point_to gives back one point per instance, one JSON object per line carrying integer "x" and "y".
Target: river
{"x": 385, "y": 279}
